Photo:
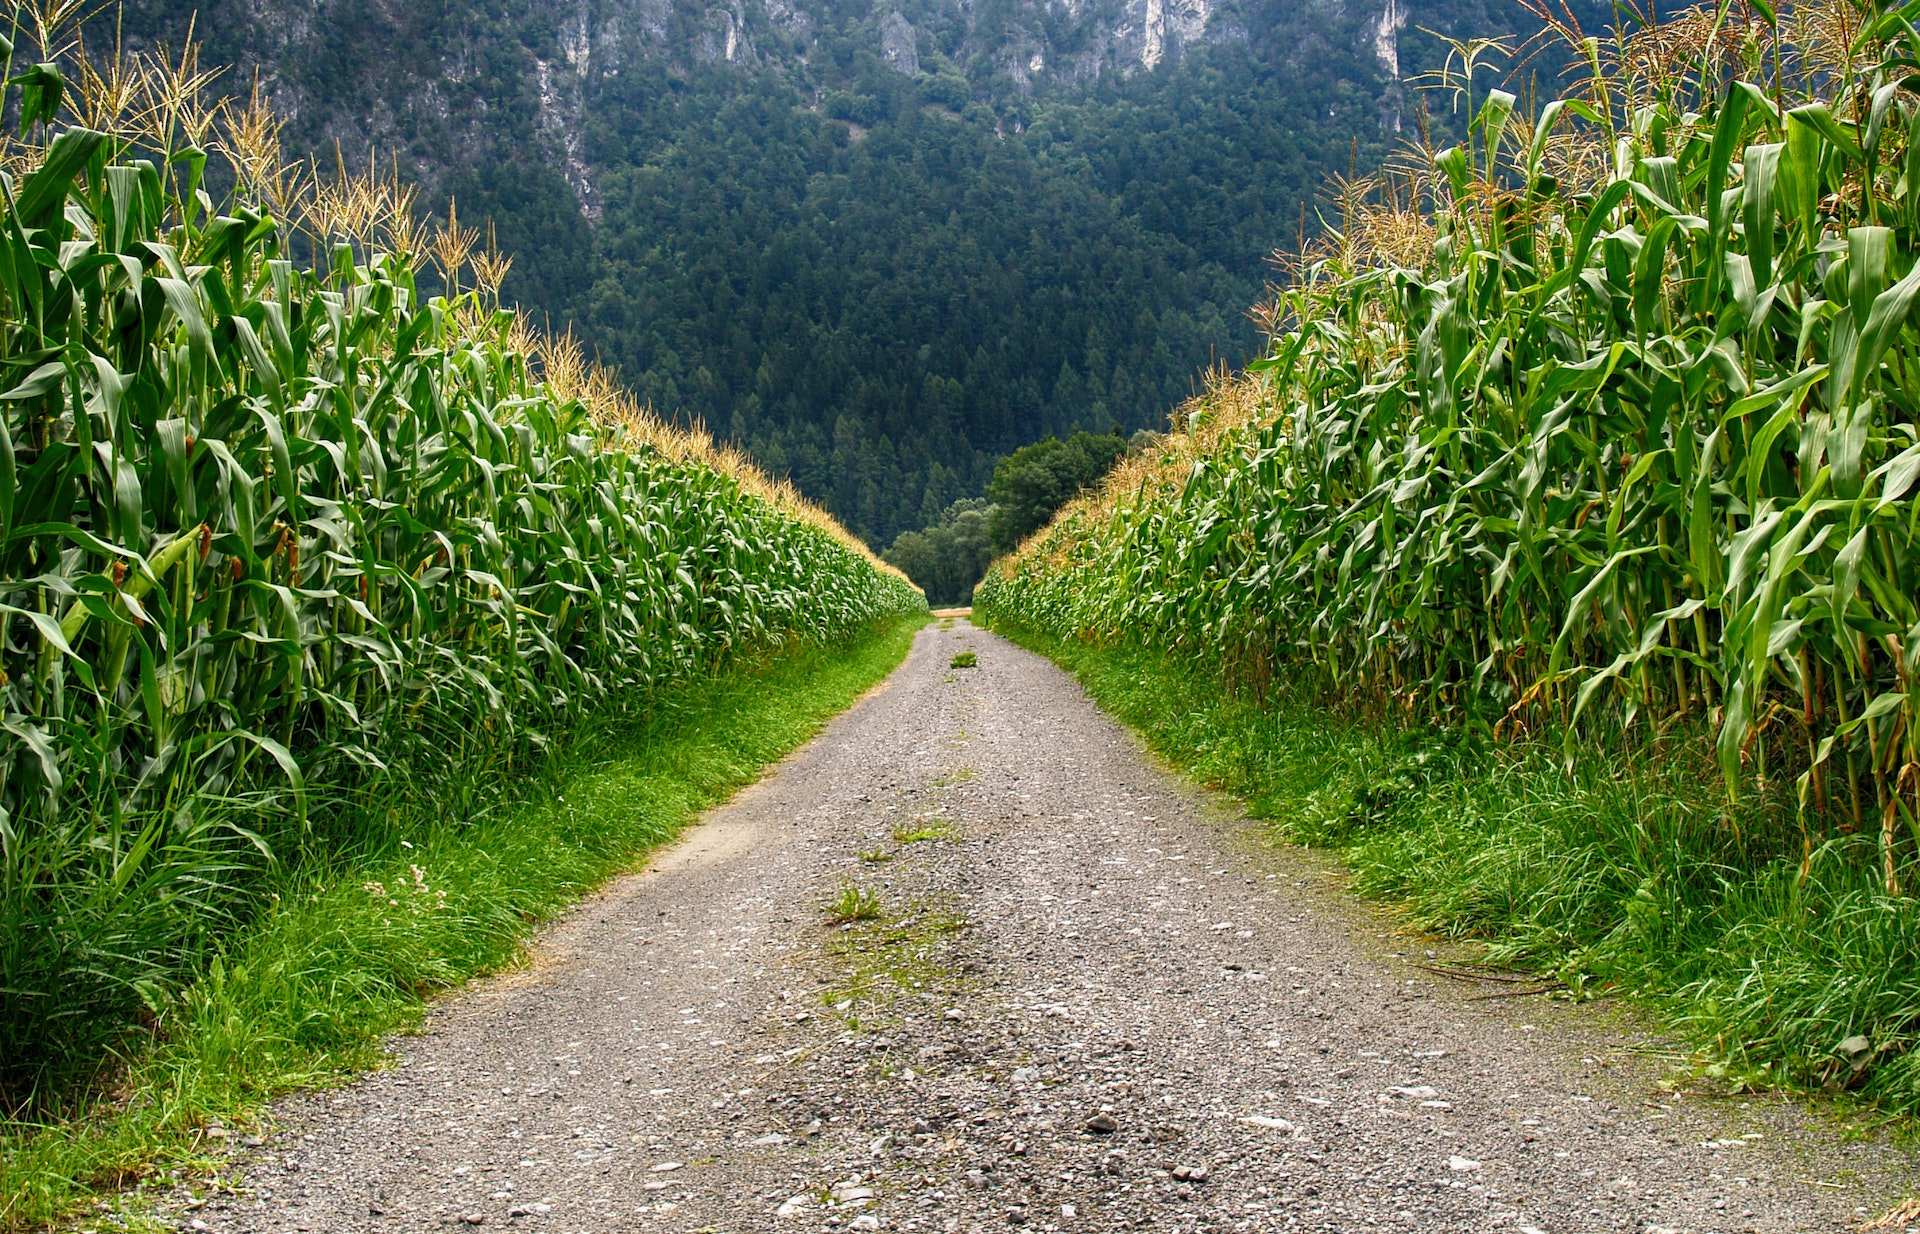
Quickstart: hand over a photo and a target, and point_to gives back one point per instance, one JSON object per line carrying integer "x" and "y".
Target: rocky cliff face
{"x": 442, "y": 84}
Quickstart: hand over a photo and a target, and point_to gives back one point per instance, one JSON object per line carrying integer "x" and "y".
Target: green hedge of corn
{"x": 289, "y": 542}
{"x": 1601, "y": 422}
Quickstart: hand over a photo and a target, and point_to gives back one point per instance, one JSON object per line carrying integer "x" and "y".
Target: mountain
{"x": 878, "y": 244}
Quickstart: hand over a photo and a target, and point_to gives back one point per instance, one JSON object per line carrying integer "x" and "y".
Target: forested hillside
{"x": 877, "y": 246}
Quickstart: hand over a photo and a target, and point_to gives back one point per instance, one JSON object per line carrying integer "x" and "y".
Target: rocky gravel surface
{"x": 1069, "y": 993}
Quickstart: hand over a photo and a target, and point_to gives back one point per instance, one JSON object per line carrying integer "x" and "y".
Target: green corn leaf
{"x": 185, "y": 304}
{"x": 289, "y": 766}
{"x": 41, "y": 88}
{"x": 172, "y": 436}
{"x": 1728, "y": 129}
{"x": 37, "y": 742}
{"x": 1888, "y": 315}
{"x": 1453, "y": 162}
{"x": 8, "y": 481}
{"x": 1900, "y": 472}
{"x": 1882, "y": 704}
{"x": 45, "y": 193}
{"x": 1846, "y": 578}
{"x": 43, "y": 380}
{"x": 1815, "y": 116}
{"x": 1658, "y": 186}
{"x": 1762, "y": 173}
{"x": 1495, "y": 111}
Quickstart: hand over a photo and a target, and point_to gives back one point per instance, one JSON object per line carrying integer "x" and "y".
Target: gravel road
{"x": 1094, "y": 999}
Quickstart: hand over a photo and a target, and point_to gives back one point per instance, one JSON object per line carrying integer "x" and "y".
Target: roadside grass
{"x": 1773, "y": 952}
{"x": 351, "y": 952}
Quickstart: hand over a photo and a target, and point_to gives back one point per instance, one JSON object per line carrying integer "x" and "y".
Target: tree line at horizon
{"x": 949, "y": 554}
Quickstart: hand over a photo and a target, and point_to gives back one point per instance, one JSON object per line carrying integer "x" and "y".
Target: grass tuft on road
{"x": 304, "y": 997}
{"x": 1780, "y": 959}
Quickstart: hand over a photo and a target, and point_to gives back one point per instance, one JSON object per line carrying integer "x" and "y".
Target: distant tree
{"x": 943, "y": 489}
{"x": 914, "y": 555}
{"x": 1034, "y": 481}
{"x": 946, "y": 558}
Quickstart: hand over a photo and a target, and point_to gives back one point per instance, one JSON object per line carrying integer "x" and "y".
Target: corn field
{"x": 1602, "y": 419}
{"x": 285, "y": 537}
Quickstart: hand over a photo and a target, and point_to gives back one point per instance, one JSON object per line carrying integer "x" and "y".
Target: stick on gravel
{"x": 1091, "y": 1000}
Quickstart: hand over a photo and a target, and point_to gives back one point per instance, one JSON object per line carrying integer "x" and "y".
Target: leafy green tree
{"x": 950, "y": 555}
{"x": 1034, "y": 481}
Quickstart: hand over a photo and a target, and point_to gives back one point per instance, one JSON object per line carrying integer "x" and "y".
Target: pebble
{"x": 1261, "y": 1120}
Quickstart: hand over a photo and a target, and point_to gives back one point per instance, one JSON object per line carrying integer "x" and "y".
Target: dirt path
{"x": 1094, "y": 1001}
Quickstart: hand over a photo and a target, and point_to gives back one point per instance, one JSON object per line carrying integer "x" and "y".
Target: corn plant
{"x": 281, "y": 537}
{"x": 1603, "y": 417}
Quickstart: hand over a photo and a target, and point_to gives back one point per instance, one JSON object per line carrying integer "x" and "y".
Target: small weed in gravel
{"x": 965, "y": 659}
{"x": 874, "y": 856}
{"x": 854, "y": 904}
{"x": 923, "y": 829}
{"x": 879, "y": 962}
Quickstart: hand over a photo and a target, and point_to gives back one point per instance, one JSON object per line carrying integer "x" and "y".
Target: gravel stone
{"x": 1071, "y": 941}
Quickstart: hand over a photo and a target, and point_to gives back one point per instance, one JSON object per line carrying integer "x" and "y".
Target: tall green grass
{"x": 1603, "y": 425}
{"x": 293, "y": 553}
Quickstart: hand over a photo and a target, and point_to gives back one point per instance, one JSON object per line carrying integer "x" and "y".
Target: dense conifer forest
{"x": 877, "y": 281}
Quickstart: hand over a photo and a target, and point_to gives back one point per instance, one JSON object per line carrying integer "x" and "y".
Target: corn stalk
{"x": 1604, "y": 416}
{"x": 274, "y": 524}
